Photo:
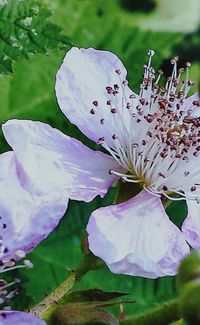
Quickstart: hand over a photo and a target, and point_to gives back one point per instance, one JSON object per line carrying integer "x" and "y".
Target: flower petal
{"x": 82, "y": 80}
{"x": 26, "y": 217}
{"x": 19, "y": 318}
{"x": 137, "y": 238}
{"x": 191, "y": 225}
{"x": 51, "y": 159}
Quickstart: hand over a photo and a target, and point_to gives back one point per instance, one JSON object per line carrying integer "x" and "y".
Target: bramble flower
{"x": 27, "y": 216}
{"x": 27, "y": 213}
{"x": 19, "y": 318}
{"x": 152, "y": 139}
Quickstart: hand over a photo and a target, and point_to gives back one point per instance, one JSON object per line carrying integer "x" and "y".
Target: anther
{"x": 92, "y": 111}
{"x": 116, "y": 87}
{"x": 118, "y": 71}
{"x": 113, "y": 110}
{"x": 188, "y": 64}
{"x": 95, "y": 103}
{"x": 151, "y": 53}
{"x": 109, "y": 90}
{"x": 101, "y": 140}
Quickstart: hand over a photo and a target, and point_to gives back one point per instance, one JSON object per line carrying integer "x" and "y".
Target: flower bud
{"x": 189, "y": 269}
{"x": 190, "y": 303}
{"x": 81, "y": 314}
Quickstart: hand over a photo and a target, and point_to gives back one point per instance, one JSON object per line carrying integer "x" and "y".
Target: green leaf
{"x": 25, "y": 29}
{"x": 92, "y": 295}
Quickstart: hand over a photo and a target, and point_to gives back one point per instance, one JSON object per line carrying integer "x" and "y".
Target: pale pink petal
{"x": 51, "y": 160}
{"x": 191, "y": 225}
{"x": 81, "y": 80}
{"x": 19, "y": 318}
{"x": 26, "y": 217}
{"x": 137, "y": 238}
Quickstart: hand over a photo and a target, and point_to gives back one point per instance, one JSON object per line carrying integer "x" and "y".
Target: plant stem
{"x": 162, "y": 315}
{"x": 45, "y": 308}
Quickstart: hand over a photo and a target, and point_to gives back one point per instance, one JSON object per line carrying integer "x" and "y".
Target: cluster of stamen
{"x": 161, "y": 131}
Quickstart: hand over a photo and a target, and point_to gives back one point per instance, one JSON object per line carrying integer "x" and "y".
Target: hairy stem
{"x": 162, "y": 315}
{"x": 45, "y": 308}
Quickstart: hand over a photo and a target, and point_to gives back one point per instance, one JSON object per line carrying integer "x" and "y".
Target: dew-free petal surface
{"x": 137, "y": 238}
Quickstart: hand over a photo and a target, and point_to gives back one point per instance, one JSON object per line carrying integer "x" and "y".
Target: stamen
{"x": 152, "y": 136}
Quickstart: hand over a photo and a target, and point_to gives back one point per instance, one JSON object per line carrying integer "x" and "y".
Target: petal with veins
{"x": 191, "y": 225}
{"x": 137, "y": 238}
{"x": 51, "y": 160}
{"x": 19, "y": 318}
{"x": 26, "y": 217}
{"x": 82, "y": 80}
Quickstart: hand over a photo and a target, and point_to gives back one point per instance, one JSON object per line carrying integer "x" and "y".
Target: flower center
{"x": 156, "y": 133}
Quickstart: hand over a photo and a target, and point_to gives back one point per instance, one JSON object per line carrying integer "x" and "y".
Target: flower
{"x": 27, "y": 215}
{"x": 151, "y": 139}
{"x": 19, "y": 318}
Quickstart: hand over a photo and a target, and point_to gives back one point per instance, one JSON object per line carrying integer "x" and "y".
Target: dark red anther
{"x": 118, "y": 71}
{"x": 125, "y": 82}
{"x": 100, "y": 140}
{"x": 108, "y": 102}
{"x": 161, "y": 174}
{"x": 116, "y": 87}
{"x": 149, "y": 134}
{"x": 102, "y": 121}
{"x": 115, "y": 92}
{"x": 109, "y": 90}
{"x": 149, "y": 118}
{"x": 113, "y": 110}
{"x": 163, "y": 154}
{"x": 114, "y": 136}
{"x": 95, "y": 103}
{"x": 193, "y": 188}
{"x": 188, "y": 119}
{"x": 92, "y": 111}
{"x": 142, "y": 101}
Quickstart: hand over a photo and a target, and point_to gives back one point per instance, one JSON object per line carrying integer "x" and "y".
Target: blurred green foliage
{"x": 29, "y": 94}
{"x": 24, "y": 29}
